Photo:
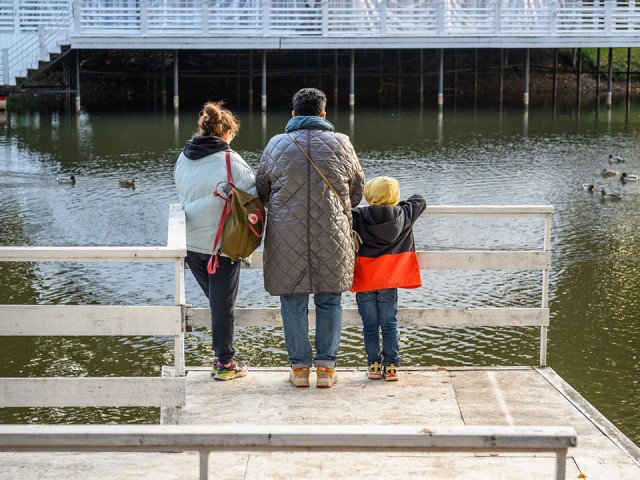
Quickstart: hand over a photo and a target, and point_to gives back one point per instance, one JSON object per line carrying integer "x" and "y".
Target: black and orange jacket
{"x": 387, "y": 257}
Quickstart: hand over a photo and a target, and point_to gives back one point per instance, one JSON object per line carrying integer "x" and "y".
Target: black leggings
{"x": 221, "y": 289}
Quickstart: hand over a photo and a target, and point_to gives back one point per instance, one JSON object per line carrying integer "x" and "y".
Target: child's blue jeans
{"x": 378, "y": 310}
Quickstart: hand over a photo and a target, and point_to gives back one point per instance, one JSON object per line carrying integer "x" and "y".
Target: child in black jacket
{"x": 386, "y": 261}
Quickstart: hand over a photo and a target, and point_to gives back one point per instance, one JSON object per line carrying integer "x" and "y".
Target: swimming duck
{"x": 625, "y": 177}
{"x": 610, "y": 195}
{"x": 615, "y": 159}
{"x": 128, "y": 183}
{"x": 69, "y": 179}
{"x": 605, "y": 172}
{"x": 589, "y": 187}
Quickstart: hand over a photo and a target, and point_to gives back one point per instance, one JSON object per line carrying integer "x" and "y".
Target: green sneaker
{"x": 230, "y": 371}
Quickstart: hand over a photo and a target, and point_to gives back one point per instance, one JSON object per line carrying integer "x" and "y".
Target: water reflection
{"x": 450, "y": 156}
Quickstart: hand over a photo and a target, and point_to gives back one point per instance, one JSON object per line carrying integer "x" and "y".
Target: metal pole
{"x": 561, "y": 464}
{"x": 610, "y": 80}
{"x": 598, "y": 64}
{"x": 176, "y": 94}
{"x": 335, "y": 77}
{"x": 399, "y": 77}
{"x": 628, "y": 103}
{"x": 526, "y": 79}
{"x": 501, "y": 88}
{"x": 441, "y": 80}
{"x": 320, "y": 69}
{"x": 579, "y": 78}
{"x": 475, "y": 76}
{"x": 264, "y": 80}
{"x": 555, "y": 78}
{"x": 77, "y": 81}
{"x": 250, "y": 92}
{"x": 421, "y": 94}
{"x": 352, "y": 80}
{"x": 204, "y": 464}
{"x": 163, "y": 80}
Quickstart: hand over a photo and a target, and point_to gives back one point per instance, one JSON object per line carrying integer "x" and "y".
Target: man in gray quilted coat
{"x": 308, "y": 247}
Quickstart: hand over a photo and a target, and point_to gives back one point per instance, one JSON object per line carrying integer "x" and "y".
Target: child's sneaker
{"x": 374, "y": 371}
{"x": 215, "y": 365}
{"x": 299, "y": 377}
{"x": 230, "y": 371}
{"x": 327, "y": 377}
{"x": 390, "y": 373}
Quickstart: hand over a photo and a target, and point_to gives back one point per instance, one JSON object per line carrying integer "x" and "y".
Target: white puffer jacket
{"x": 199, "y": 168}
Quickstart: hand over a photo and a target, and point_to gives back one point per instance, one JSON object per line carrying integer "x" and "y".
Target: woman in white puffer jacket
{"x": 199, "y": 169}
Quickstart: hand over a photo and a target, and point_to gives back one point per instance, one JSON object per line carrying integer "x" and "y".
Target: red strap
{"x": 227, "y": 157}
{"x": 212, "y": 266}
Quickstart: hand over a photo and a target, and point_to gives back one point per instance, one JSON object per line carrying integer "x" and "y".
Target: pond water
{"x": 458, "y": 157}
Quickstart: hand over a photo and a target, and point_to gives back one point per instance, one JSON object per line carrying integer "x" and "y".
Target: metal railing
{"x": 318, "y": 438}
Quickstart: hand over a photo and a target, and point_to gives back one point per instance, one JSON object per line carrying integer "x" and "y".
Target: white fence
{"x": 101, "y": 320}
{"x": 326, "y": 438}
{"x": 44, "y": 25}
{"x": 169, "y": 391}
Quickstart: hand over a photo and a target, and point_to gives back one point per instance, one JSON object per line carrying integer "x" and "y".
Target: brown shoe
{"x": 299, "y": 377}
{"x": 326, "y": 377}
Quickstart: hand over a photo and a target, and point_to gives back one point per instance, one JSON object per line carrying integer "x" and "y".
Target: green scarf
{"x": 310, "y": 122}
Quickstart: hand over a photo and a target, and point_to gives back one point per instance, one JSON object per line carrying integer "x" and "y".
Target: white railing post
{"x": 553, "y": 20}
{"x": 383, "y": 17}
{"x": 42, "y": 51}
{"x": 16, "y": 16}
{"x": 266, "y": 17}
{"x": 143, "y": 17}
{"x": 561, "y": 464}
{"x": 608, "y": 17}
{"x": 545, "y": 291}
{"x": 5, "y": 66}
{"x": 497, "y": 15}
{"x": 441, "y": 17}
{"x": 76, "y": 17}
{"x": 205, "y": 17}
{"x": 325, "y": 18}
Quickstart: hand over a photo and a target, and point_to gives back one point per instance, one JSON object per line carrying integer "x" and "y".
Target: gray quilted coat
{"x": 308, "y": 245}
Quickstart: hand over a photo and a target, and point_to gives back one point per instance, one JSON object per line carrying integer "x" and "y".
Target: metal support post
{"x": 579, "y": 79}
{"x": 176, "y": 95}
{"x": 421, "y": 93}
{"x": 352, "y": 80}
{"x": 526, "y": 78}
{"x": 77, "y": 81}
{"x": 441, "y": 79}
{"x": 250, "y": 91}
{"x": 610, "y": 80}
{"x": 264, "y": 80}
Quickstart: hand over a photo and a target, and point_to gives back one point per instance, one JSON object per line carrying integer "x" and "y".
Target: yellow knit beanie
{"x": 382, "y": 191}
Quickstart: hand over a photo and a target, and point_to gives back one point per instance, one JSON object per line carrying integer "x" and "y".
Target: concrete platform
{"x": 430, "y": 397}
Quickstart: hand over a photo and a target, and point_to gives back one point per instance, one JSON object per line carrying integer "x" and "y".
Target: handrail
{"x": 57, "y": 320}
{"x": 230, "y": 437}
{"x": 102, "y": 320}
{"x": 34, "y": 44}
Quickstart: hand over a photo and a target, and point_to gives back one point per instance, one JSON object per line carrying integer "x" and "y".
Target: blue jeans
{"x": 378, "y": 310}
{"x": 295, "y": 319}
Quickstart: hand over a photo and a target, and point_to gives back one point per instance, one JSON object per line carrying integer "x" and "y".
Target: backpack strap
{"x": 213, "y": 263}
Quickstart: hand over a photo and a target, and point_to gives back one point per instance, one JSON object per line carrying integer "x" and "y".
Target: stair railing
{"x": 34, "y": 46}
